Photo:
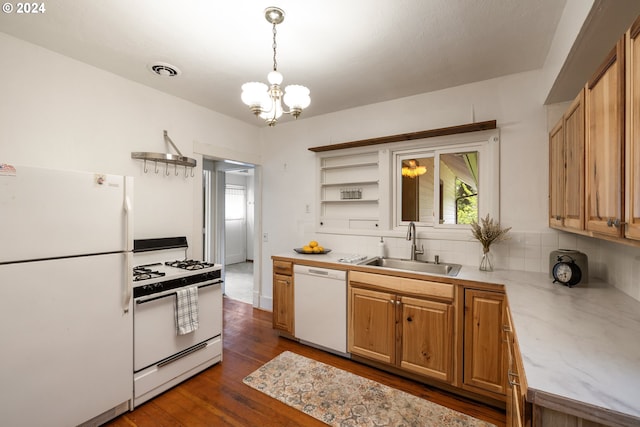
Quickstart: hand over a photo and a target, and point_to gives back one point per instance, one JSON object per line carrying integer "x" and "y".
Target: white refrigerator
{"x": 66, "y": 324}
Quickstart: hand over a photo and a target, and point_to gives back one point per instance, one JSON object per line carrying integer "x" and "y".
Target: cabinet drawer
{"x": 427, "y": 288}
{"x": 283, "y": 267}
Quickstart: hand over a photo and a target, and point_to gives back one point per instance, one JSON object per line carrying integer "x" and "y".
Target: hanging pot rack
{"x": 167, "y": 159}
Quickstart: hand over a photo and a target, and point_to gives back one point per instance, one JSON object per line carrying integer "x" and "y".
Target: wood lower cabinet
{"x": 410, "y": 332}
{"x": 283, "y": 292}
{"x": 372, "y": 316}
{"x": 604, "y": 118}
{"x": 484, "y": 346}
{"x": 545, "y": 417}
{"x": 427, "y": 337}
{"x": 518, "y": 410}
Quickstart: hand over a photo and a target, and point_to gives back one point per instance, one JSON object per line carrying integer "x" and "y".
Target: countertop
{"x": 580, "y": 346}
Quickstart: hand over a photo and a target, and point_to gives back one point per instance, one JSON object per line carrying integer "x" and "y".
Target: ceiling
{"x": 348, "y": 53}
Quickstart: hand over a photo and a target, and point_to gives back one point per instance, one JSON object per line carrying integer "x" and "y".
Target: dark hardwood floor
{"x": 218, "y": 397}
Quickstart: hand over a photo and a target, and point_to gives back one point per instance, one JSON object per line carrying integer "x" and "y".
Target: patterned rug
{"x": 340, "y": 398}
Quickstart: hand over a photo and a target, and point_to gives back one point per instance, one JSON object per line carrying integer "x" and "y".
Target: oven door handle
{"x": 171, "y": 294}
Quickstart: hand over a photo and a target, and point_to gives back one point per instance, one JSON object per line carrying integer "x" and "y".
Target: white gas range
{"x": 163, "y": 354}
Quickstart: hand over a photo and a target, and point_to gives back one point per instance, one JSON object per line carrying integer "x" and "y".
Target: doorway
{"x": 229, "y": 231}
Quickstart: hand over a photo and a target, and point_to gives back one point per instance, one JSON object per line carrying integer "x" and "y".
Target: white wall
{"x": 59, "y": 113}
{"x": 514, "y": 101}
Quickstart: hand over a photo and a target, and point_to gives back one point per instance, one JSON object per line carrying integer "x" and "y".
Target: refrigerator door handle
{"x": 128, "y": 212}
{"x": 128, "y": 282}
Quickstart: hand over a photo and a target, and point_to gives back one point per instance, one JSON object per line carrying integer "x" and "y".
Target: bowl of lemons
{"x": 312, "y": 248}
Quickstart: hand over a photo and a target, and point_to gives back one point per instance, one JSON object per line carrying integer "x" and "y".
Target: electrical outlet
{"x": 265, "y": 237}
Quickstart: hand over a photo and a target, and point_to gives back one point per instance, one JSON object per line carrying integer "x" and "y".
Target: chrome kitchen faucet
{"x": 411, "y": 235}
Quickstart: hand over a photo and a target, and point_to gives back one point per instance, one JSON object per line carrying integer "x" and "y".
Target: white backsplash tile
{"x": 615, "y": 263}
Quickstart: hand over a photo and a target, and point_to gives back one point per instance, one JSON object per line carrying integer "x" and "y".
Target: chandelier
{"x": 266, "y": 101}
{"x": 413, "y": 169}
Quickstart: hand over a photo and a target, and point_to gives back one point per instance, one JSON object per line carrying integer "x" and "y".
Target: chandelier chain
{"x": 275, "y": 45}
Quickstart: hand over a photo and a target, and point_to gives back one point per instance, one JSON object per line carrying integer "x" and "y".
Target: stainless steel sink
{"x": 419, "y": 266}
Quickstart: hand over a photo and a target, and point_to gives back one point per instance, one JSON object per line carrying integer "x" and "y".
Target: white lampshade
{"x": 296, "y": 96}
{"x": 254, "y": 93}
{"x": 274, "y": 78}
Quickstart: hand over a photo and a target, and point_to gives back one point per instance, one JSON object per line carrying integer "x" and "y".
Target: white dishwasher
{"x": 320, "y": 301}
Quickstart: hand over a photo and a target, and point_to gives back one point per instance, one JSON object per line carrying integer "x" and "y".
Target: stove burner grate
{"x": 189, "y": 264}
{"x": 144, "y": 273}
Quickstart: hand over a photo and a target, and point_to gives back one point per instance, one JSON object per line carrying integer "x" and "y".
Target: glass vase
{"x": 486, "y": 263}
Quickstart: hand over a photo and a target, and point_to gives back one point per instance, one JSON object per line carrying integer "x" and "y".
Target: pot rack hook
{"x": 145, "y": 166}
{"x": 156, "y": 162}
{"x": 192, "y": 174}
{"x": 166, "y": 169}
{"x": 185, "y": 172}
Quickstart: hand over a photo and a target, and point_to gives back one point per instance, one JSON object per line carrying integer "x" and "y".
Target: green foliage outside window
{"x": 466, "y": 203}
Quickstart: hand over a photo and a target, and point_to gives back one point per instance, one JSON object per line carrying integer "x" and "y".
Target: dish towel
{"x": 186, "y": 310}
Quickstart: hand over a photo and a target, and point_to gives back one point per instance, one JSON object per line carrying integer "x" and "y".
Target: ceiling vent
{"x": 163, "y": 69}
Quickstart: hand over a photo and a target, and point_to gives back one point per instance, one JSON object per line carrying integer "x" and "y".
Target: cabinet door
{"x": 484, "y": 352}
{"x": 604, "y": 100}
{"x": 633, "y": 133}
{"x": 372, "y": 324}
{"x": 556, "y": 175}
{"x": 427, "y": 338}
{"x": 283, "y": 314}
{"x": 574, "y": 164}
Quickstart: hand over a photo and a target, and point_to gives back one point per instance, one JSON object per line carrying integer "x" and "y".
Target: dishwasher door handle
{"x": 318, "y": 272}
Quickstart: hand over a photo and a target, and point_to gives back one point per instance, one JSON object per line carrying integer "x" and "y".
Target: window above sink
{"x": 451, "y": 181}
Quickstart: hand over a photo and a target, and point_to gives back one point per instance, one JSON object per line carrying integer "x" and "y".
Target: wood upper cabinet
{"x": 566, "y": 168}
{"x": 484, "y": 351}
{"x": 573, "y": 203}
{"x": 556, "y": 175}
{"x": 632, "y": 155}
{"x": 283, "y": 292}
{"x": 604, "y": 116}
{"x": 409, "y": 332}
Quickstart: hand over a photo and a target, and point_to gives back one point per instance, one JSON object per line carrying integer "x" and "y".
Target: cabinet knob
{"x": 409, "y": 319}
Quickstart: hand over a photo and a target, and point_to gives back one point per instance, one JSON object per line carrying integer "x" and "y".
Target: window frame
{"x": 486, "y": 143}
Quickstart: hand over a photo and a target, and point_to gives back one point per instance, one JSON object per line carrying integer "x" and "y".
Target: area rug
{"x": 340, "y": 398}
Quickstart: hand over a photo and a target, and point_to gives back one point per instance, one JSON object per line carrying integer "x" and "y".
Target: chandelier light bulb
{"x": 296, "y": 96}
{"x": 254, "y": 93}
{"x": 268, "y": 114}
{"x": 274, "y": 78}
